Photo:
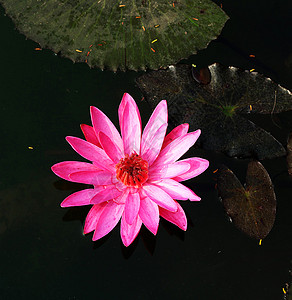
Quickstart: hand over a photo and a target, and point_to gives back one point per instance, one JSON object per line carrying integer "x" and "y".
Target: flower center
{"x": 132, "y": 170}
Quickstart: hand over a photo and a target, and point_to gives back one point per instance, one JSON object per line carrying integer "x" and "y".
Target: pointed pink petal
{"x": 149, "y": 214}
{"x": 130, "y": 232}
{"x": 95, "y": 178}
{"x": 128, "y": 99}
{"x": 92, "y": 153}
{"x": 167, "y": 171}
{"x": 80, "y": 198}
{"x": 178, "y": 218}
{"x": 93, "y": 217}
{"x": 112, "y": 151}
{"x": 132, "y": 207}
{"x": 89, "y": 134}
{"x": 157, "y": 119}
{"x": 197, "y": 166}
{"x": 65, "y": 168}
{"x": 109, "y": 193}
{"x": 176, "y": 133}
{"x": 177, "y": 190}
{"x": 160, "y": 197}
{"x": 130, "y": 123}
{"x": 177, "y": 148}
{"x": 102, "y": 123}
{"x": 153, "y": 148}
{"x": 109, "y": 218}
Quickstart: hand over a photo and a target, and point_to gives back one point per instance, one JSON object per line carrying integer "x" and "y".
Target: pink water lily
{"x": 135, "y": 176}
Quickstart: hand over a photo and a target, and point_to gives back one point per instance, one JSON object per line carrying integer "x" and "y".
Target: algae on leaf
{"x": 218, "y": 108}
{"x": 253, "y": 208}
{"x": 122, "y": 34}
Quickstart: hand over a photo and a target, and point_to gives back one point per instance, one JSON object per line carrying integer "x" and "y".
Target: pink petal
{"x": 102, "y": 123}
{"x": 92, "y": 153}
{"x": 128, "y": 99}
{"x": 80, "y": 198}
{"x": 178, "y": 218}
{"x": 130, "y": 232}
{"x": 175, "y": 133}
{"x": 167, "y": 171}
{"x": 177, "y": 190}
{"x": 130, "y": 123}
{"x": 113, "y": 152}
{"x": 177, "y": 148}
{"x": 109, "y": 193}
{"x": 197, "y": 166}
{"x": 93, "y": 217}
{"x": 121, "y": 199}
{"x": 65, "y": 168}
{"x": 132, "y": 207}
{"x": 160, "y": 197}
{"x": 95, "y": 178}
{"x": 153, "y": 148}
{"x": 157, "y": 119}
{"x": 89, "y": 134}
{"x": 149, "y": 214}
{"x": 108, "y": 219}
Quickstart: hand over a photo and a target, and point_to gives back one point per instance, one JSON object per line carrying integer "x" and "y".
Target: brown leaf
{"x": 253, "y": 208}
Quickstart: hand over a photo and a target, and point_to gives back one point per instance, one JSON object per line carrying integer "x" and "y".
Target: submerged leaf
{"x": 253, "y": 208}
{"x": 218, "y": 108}
{"x": 119, "y": 34}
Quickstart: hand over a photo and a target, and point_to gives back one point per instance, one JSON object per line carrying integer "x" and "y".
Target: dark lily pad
{"x": 119, "y": 34}
{"x": 218, "y": 108}
{"x": 253, "y": 208}
{"x": 289, "y": 154}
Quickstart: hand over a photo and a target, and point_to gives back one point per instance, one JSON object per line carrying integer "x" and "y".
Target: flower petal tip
{"x": 154, "y": 231}
{"x": 92, "y": 108}
{"x": 69, "y": 138}
{"x": 53, "y": 168}
{"x": 198, "y": 132}
{"x": 126, "y": 243}
{"x": 195, "y": 198}
{"x": 63, "y": 204}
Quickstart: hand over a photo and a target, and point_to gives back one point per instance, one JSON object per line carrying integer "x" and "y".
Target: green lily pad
{"x": 253, "y": 208}
{"x": 218, "y": 106}
{"x": 119, "y": 34}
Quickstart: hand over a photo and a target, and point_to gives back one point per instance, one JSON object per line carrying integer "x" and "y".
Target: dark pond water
{"x": 44, "y": 254}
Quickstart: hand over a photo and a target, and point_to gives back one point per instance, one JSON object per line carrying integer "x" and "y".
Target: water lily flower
{"x": 135, "y": 176}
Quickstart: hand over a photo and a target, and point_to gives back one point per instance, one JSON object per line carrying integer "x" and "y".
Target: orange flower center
{"x": 132, "y": 170}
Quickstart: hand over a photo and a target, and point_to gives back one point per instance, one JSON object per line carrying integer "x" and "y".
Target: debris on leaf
{"x": 252, "y": 208}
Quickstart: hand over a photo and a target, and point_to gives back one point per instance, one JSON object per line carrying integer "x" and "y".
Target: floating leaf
{"x": 253, "y": 208}
{"x": 289, "y": 154}
{"x": 218, "y": 108}
{"x": 119, "y": 34}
